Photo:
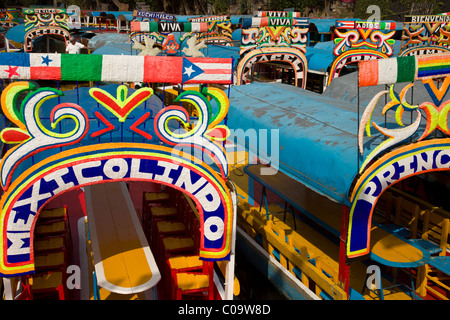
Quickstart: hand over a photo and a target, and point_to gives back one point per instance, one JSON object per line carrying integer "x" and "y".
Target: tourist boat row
{"x": 173, "y": 148}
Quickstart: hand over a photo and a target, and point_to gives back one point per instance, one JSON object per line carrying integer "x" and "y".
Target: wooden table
{"x": 123, "y": 260}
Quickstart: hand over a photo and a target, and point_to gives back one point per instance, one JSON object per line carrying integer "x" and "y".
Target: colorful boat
{"x": 157, "y": 184}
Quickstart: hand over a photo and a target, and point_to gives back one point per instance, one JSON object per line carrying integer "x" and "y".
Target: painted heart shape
{"x": 121, "y": 106}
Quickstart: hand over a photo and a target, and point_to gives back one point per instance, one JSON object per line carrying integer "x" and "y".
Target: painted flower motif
{"x": 437, "y": 118}
{"x": 398, "y": 102}
{"x": 122, "y": 105}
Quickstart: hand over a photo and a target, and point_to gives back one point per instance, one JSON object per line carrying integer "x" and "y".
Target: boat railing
{"x": 292, "y": 256}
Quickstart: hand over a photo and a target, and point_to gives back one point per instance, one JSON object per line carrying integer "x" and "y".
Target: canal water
{"x": 254, "y": 284}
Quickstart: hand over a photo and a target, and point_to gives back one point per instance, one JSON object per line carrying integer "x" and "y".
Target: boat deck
{"x": 319, "y": 241}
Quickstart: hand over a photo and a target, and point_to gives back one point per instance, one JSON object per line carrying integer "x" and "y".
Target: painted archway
{"x": 352, "y": 57}
{"x": 407, "y": 149}
{"x": 110, "y": 162}
{"x": 44, "y": 31}
{"x": 407, "y": 161}
{"x": 292, "y": 56}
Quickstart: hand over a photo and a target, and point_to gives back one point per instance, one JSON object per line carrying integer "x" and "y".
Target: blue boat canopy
{"x": 317, "y": 134}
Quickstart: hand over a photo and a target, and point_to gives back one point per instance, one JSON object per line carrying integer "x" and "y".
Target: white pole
{"x": 229, "y": 271}
{"x": 8, "y": 292}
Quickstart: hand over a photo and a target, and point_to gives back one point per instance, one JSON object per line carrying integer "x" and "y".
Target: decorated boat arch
{"x": 109, "y": 137}
{"x": 358, "y": 41}
{"x": 273, "y": 39}
{"x": 402, "y": 151}
{"x": 9, "y": 18}
{"x": 219, "y": 30}
{"x": 41, "y": 22}
{"x": 328, "y": 154}
{"x": 166, "y": 34}
{"x": 425, "y": 34}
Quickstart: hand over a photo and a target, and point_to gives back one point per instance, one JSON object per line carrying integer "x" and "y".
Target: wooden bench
{"x": 124, "y": 263}
{"x": 435, "y": 237}
{"x": 430, "y": 232}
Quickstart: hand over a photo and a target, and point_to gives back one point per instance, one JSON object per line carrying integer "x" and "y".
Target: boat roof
{"x": 317, "y": 132}
{"x": 16, "y": 33}
{"x": 309, "y": 129}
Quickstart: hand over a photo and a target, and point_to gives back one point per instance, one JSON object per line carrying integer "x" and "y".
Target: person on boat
{"x": 74, "y": 46}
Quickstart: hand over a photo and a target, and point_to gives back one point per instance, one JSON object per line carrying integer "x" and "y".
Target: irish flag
{"x": 386, "y": 71}
{"x": 114, "y": 68}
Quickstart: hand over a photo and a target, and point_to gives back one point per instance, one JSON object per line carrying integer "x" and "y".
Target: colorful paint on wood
{"x": 392, "y": 161}
{"x": 429, "y": 34}
{"x": 84, "y": 161}
{"x": 294, "y": 57}
{"x": 403, "y": 69}
{"x": 39, "y": 22}
{"x": 361, "y": 42}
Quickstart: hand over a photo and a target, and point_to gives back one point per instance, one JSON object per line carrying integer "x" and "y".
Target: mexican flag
{"x": 114, "y": 68}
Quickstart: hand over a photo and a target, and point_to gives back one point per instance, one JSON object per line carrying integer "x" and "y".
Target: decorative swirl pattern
{"x": 436, "y": 117}
{"x": 280, "y": 36}
{"x": 205, "y": 130}
{"x": 355, "y": 39}
{"x": 32, "y": 134}
{"x": 52, "y": 18}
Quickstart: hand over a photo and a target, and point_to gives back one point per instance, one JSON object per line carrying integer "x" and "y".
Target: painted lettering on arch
{"x": 212, "y": 199}
{"x": 407, "y": 161}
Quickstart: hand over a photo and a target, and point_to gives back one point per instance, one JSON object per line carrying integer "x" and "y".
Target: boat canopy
{"x": 317, "y": 132}
{"x": 16, "y": 33}
{"x": 127, "y": 14}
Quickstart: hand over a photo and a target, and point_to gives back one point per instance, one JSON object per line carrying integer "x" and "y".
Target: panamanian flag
{"x": 45, "y": 66}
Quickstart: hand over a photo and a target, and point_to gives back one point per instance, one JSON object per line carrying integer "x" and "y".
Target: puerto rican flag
{"x": 188, "y": 70}
{"x": 163, "y": 69}
{"x": 345, "y": 24}
{"x": 198, "y": 70}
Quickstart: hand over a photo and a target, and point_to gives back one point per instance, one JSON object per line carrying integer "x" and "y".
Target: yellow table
{"x": 393, "y": 251}
{"x": 123, "y": 260}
